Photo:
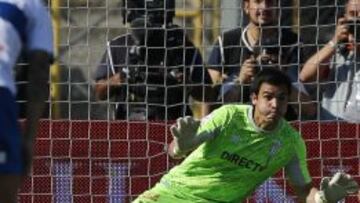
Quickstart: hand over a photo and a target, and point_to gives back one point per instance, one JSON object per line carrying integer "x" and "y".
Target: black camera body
{"x": 157, "y": 54}
{"x": 158, "y": 63}
{"x": 156, "y": 59}
{"x": 158, "y": 44}
{"x": 266, "y": 56}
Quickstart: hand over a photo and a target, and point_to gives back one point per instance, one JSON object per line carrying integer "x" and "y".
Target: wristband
{"x": 320, "y": 197}
{"x": 332, "y": 44}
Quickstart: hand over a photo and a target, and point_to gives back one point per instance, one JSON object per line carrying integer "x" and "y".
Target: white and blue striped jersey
{"x": 24, "y": 25}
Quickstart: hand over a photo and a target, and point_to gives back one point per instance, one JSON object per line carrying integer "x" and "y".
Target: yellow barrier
{"x": 55, "y": 69}
{"x": 197, "y": 20}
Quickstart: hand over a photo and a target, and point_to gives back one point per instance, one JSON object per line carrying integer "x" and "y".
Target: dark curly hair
{"x": 271, "y": 75}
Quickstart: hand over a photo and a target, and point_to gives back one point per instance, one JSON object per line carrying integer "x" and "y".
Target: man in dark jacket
{"x": 148, "y": 70}
{"x": 240, "y": 53}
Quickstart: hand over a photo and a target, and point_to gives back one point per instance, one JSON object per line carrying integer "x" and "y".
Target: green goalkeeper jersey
{"x": 238, "y": 158}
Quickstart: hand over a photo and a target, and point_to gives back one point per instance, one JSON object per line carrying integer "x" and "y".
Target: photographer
{"x": 147, "y": 71}
{"x": 334, "y": 65}
{"x": 240, "y": 53}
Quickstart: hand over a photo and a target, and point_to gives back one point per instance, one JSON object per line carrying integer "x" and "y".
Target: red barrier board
{"x": 98, "y": 161}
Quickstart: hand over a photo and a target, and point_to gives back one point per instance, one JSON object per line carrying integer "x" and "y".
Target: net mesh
{"x": 97, "y": 161}
{"x": 83, "y": 155}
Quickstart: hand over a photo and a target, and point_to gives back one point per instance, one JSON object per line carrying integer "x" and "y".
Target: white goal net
{"x": 96, "y": 142}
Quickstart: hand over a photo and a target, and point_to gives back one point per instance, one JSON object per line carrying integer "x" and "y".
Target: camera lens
{"x": 268, "y": 56}
{"x": 264, "y": 60}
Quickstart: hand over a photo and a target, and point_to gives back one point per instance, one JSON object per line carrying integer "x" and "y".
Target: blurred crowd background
{"x": 83, "y": 28}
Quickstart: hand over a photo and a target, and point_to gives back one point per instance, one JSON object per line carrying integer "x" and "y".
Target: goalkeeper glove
{"x": 336, "y": 188}
{"x": 186, "y": 137}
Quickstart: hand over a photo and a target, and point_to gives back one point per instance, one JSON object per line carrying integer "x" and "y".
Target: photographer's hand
{"x": 247, "y": 70}
{"x": 104, "y": 86}
{"x": 117, "y": 79}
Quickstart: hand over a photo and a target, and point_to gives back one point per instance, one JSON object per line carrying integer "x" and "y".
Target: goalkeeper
{"x": 237, "y": 147}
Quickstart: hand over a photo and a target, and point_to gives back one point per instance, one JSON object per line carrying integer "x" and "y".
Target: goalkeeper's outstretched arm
{"x": 331, "y": 190}
{"x": 186, "y": 137}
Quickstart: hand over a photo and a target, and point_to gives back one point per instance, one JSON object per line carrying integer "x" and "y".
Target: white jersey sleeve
{"x": 39, "y": 27}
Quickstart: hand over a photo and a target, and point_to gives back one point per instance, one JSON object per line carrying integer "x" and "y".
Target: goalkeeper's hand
{"x": 185, "y": 135}
{"x": 336, "y": 188}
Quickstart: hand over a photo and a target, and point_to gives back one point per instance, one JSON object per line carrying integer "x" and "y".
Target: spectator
{"x": 147, "y": 77}
{"x": 25, "y": 26}
{"x": 240, "y": 53}
{"x": 335, "y": 67}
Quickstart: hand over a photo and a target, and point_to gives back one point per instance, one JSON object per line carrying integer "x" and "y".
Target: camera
{"x": 266, "y": 59}
{"x": 157, "y": 55}
{"x": 354, "y": 28}
{"x": 155, "y": 52}
{"x": 267, "y": 56}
